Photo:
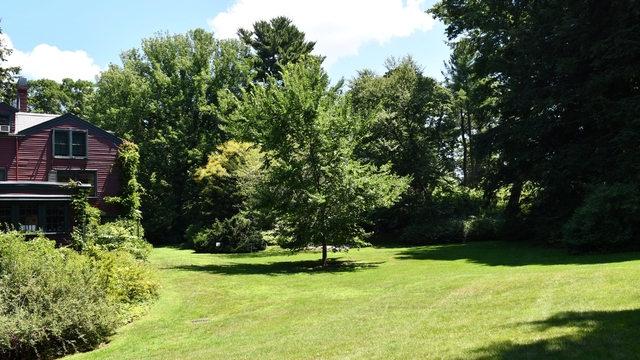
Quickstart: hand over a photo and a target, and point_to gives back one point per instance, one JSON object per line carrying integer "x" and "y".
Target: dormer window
{"x": 69, "y": 143}
{"x": 5, "y": 122}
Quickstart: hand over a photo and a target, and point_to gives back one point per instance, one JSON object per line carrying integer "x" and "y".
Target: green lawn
{"x": 479, "y": 300}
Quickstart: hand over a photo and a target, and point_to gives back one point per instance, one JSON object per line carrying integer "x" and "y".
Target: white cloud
{"x": 339, "y": 27}
{"x": 49, "y": 62}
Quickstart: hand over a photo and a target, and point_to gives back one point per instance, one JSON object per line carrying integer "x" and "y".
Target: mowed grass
{"x": 468, "y": 301}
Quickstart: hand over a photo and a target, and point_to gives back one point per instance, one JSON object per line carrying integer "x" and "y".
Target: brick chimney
{"x": 22, "y": 95}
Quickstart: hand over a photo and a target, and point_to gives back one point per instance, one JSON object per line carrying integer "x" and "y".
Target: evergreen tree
{"x": 275, "y": 43}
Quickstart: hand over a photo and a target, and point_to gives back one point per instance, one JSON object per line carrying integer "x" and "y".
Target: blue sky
{"x": 78, "y": 39}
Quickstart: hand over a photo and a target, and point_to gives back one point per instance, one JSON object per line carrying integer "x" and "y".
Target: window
{"x": 5, "y": 119}
{"x": 50, "y": 217}
{"x": 83, "y": 176}
{"x": 69, "y": 143}
{"x": 5, "y": 122}
{"x": 79, "y": 144}
{"x": 3, "y": 174}
{"x": 28, "y": 217}
{"x": 55, "y": 218}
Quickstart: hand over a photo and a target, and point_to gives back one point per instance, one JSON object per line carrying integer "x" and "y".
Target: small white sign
{"x": 218, "y": 244}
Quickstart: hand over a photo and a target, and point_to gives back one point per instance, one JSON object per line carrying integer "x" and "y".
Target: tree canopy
{"x": 315, "y": 189}
{"x": 50, "y": 97}
{"x": 164, "y": 98}
{"x": 7, "y": 74}
{"x": 567, "y": 75}
{"x": 275, "y": 43}
{"x": 534, "y": 130}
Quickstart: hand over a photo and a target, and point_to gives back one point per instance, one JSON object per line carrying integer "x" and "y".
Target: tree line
{"x": 533, "y": 135}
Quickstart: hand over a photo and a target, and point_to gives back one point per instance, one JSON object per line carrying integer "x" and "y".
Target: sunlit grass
{"x": 479, "y": 300}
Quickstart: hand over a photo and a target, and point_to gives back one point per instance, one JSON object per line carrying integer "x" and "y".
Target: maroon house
{"x": 39, "y": 155}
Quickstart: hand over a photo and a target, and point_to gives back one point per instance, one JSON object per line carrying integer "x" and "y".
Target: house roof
{"x": 56, "y": 120}
{"x": 4, "y": 105}
{"x": 26, "y": 120}
{"x": 32, "y": 197}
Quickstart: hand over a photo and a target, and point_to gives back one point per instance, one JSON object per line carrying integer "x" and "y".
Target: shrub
{"x": 607, "y": 221}
{"x": 480, "y": 229}
{"x": 126, "y": 280}
{"x": 238, "y": 234}
{"x": 191, "y": 233}
{"x": 51, "y": 301}
{"x": 58, "y": 301}
{"x": 441, "y": 232}
{"x": 120, "y": 235}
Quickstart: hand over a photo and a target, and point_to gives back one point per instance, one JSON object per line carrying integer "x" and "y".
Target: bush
{"x": 127, "y": 281}
{"x": 191, "y": 233}
{"x": 238, "y": 234}
{"x": 441, "y": 232}
{"x": 58, "y": 301}
{"x": 607, "y": 221}
{"x": 51, "y": 301}
{"x": 120, "y": 235}
{"x": 480, "y": 229}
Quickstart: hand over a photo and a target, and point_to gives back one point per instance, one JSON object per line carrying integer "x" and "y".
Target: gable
{"x": 7, "y": 117}
{"x": 70, "y": 117}
{"x": 8, "y": 108}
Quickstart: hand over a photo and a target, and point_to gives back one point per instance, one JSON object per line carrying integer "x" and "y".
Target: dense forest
{"x": 533, "y": 135}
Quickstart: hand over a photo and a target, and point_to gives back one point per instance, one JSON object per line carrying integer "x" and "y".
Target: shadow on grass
{"x": 270, "y": 252}
{"x": 598, "y": 335}
{"x": 496, "y": 253}
{"x": 386, "y": 241}
{"x": 259, "y": 254}
{"x": 282, "y": 267}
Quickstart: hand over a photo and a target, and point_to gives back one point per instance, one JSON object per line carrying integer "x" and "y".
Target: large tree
{"x": 315, "y": 189}
{"x": 51, "y": 97}
{"x": 275, "y": 43}
{"x": 473, "y": 101}
{"x": 567, "y": 73}
{"x": 7, "y": 74}
{"x": 164, "y": 98}
{"x": 408, "y": 122}
{"x": 410, "y": 126}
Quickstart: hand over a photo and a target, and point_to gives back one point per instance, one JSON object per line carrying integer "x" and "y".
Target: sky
{"x": 79, "y": 38}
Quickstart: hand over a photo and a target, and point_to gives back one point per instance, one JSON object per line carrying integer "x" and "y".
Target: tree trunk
{"x": 513, "y": 206}
{"x": 473, "y": 182}
{"x": 324, "y": 252}
{"x": 464, "y": 150}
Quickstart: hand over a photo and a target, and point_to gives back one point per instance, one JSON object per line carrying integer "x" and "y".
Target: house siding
{"x": 36, "y": 160}
{"x": 8, "y": 156}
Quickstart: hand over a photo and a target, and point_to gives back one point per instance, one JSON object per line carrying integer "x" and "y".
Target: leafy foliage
{"x": 411, "y": 123}
{"x": 56, "y": 301}
{"x": 566, "y": 75}
{"x": 408, "y": 124}
{"x": 315, "y": 190}
{"x": 228, "y": 180}
{"x": 607, "y": 220}
{"x": 130, "y": 190}
{"x": 238, "y": 234}
{"x": 51, "y": 97}
{"x": 7, "y": 74}
{"x": 51, "y": 303}
{"x": 275, "y": 43}
{"x": 164, "y": 98}
{"x": 122, "y": 235}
